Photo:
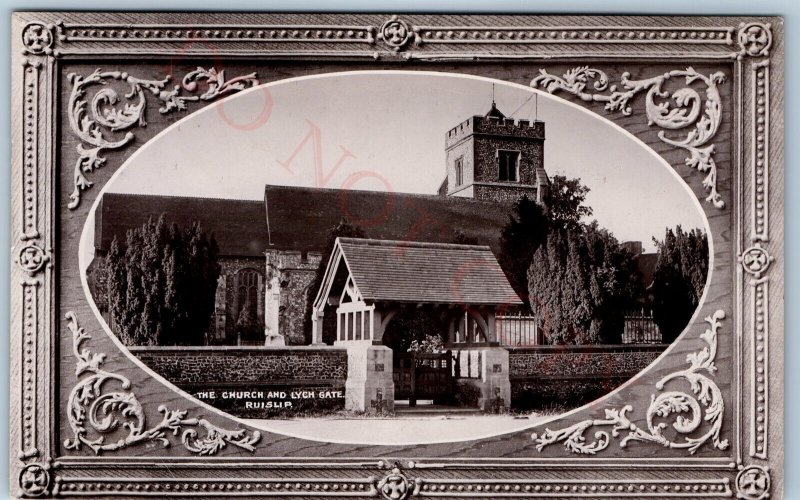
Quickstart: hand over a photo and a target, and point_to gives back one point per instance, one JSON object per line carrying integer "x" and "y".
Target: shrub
{"x": 466, "y": 394}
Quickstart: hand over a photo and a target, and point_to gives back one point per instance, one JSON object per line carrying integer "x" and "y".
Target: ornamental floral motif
{"x": 753, "y": 483}
{"x": 92, "y": 121}
{"x": 755, "y": 260}
{"x": 755, "y": 39}
{"x": 32, "y": 258}
{"x": 38, "y": 39}
{"x": 396, "y": 33}
{"x": 90, "y": 404}
{"x": 34, "y": 480}
{"x": 395, "y": 485}
{"x": 704, "y": 392}
{"x": 685, "y": 112}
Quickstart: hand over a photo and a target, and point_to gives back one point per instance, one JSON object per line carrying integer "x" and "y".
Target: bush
{"x": 466, "y": 394}
{"x": 540, "y": 395}
{"x": 430, "y": 344}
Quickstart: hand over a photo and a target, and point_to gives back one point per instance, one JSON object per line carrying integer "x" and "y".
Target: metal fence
{"x": 641, "y": 328}
{"x": 518, "y": 331}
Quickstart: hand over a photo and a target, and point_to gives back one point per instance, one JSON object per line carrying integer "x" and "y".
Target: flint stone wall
{"x": 234, "y": 365}
{"x": 566, "y": 377}
{"x": 204, "y": 370}
{"x": 581, "y": 361}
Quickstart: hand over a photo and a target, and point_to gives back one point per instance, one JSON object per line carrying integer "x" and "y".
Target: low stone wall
{"x": 569, "y": 376}
{"x": 255, "y": 382}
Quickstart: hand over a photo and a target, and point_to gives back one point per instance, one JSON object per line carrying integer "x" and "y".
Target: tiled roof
{"x": 301, "y": 218}
{"x": 401, "y": 271}
{"x": 239, "y": 226}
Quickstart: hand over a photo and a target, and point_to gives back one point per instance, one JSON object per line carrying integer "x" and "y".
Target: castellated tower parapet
{"x": 493, "y": 157}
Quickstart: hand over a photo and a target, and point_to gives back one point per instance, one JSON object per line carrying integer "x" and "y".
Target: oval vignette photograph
{"x": 460, "y": 256}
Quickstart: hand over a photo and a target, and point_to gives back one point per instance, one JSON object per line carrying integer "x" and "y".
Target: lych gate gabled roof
{"x": 435, "y": 273}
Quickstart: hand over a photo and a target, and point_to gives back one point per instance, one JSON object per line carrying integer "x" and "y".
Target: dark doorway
{"x": 424, "y": 376}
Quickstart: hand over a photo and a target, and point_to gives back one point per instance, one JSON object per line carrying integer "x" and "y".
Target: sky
{"x": 383, "y": 130}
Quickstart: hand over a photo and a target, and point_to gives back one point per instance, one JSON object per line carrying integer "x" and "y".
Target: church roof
{"x": 301, "y": 218}
{"x": 239, "y": 226}
{"x": 424, "y": 272}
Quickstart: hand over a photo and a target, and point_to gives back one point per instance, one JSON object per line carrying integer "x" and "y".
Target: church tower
{"x": 492, "y": 157}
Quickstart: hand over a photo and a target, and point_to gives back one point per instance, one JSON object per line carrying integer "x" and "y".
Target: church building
{"x": 270, "y": 250}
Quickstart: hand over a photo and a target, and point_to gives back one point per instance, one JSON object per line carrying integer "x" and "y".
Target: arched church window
{"x": 247, "y": 290}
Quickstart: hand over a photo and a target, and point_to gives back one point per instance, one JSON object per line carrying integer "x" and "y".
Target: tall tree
{"x": 343, "y": 229}
{"x": 678, "y": 279}
{"x": 581, "y": 280}
{"x": 525, "y": 231}
{"x": 565, "y": 201}
{"x": 162, "y": 283}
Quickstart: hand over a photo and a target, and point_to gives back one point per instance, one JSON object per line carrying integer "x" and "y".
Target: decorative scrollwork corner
{"x": 685, "y": 112}
{"x": 92, "y": 122}
{"x": 705, "y": 393}
{"x": 90, "y": 404}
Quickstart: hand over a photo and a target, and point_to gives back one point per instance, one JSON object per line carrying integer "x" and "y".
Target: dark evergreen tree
{"x": 343, "y": 229}
{"x": 525, "y": 231}
{"x": 461, "y": 238}
{"x": 678, "y": 279}
{"x": 581, "y": 280}
{"x": 162, "y": 285}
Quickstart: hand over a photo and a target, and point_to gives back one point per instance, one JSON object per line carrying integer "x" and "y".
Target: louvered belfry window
{"x": 508, "y": 162}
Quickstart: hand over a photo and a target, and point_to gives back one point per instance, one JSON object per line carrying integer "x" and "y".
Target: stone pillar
{"x": 494, "y": 381}
{"x": 369, "y": 387}
{"x": 272, "y": 303}
{"x": 317, "y": 319}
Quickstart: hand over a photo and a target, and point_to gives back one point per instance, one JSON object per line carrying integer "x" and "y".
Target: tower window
{"x": 509, "y": 164}
{"x": 459, "y": 171}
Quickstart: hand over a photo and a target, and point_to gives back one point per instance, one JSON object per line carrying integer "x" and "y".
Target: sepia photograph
{"x": 464, "y": 255}
{"x": 396, "y": 255}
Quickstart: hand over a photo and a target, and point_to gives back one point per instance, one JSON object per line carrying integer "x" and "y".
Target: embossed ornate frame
{"x": 722, "y": 132}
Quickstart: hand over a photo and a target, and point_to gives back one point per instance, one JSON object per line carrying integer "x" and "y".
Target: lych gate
{"x": 368, "y": 282}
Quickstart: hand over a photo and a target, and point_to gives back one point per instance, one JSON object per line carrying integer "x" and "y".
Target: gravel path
{"x": 399, "y": 430}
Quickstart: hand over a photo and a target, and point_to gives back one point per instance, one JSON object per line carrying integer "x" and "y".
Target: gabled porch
{"x": 369, "y": 282}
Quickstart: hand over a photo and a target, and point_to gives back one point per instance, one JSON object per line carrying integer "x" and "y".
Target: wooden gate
{"x": 423, "y": 376}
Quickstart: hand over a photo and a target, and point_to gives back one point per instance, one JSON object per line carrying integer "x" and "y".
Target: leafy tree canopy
{"x": 565, "y": 201}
